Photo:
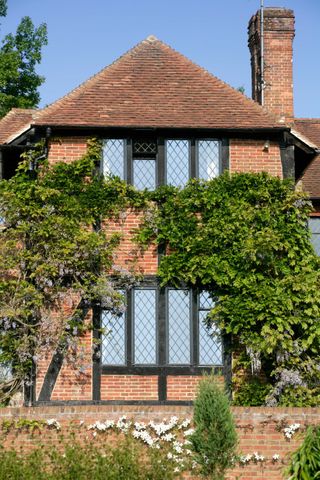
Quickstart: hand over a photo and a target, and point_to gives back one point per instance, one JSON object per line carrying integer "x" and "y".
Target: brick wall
{"x": 129, "y": 387}
{"x": 278, "y": 52}
{"x": 128, "y": 255}
{"x": 252, "y": 156}
{"x": 245, "y": 155}
{"x": 260, "y": 430}
{"x": 67, "y": 149}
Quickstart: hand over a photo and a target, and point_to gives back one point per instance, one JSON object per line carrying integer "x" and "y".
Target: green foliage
{"x": 244, "y": 239}
{"x": 214, "y": 440}
{"x": 49, "y": 252}
{"x": 252, "y": 392}
{"x": 305, "y": 462}
{"x": 19, "y": 55}
{"x": 72, "y": 461}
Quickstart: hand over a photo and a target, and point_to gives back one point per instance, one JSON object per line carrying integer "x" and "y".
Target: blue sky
{"x": 85, "y": 36}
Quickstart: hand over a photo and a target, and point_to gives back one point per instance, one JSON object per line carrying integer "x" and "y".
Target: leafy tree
{"x": 53, "y": 264}
{"x": 19, "y": 55}
{"x": 244, "y": 238}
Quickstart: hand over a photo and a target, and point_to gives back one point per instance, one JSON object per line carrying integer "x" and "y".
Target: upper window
{"x": 314, "y": 225}
{"x": 171, "y": 321}
{"x": 148, "y": 163}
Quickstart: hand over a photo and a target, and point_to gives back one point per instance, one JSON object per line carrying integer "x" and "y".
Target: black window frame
{"x": 160, "y": 155}
{"x": 163, "y": 366}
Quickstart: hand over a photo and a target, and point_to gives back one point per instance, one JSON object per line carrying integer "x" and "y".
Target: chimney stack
{"x": 277, "y": 84}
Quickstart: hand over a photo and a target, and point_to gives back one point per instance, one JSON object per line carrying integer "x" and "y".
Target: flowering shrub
{"x": 171, "y": 437}
{"x": 290, "y": 430}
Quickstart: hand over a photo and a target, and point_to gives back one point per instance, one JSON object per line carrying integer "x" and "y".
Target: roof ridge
{"x": 242, "y": 96}
{"x": 152, "y": 39}
{"x": 307, "y": 119}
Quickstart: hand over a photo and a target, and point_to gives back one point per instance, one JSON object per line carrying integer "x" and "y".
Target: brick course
{"x": 259, "y": 429}
{"x": 253, "y": 156}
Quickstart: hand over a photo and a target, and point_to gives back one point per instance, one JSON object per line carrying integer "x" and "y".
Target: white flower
{"x": 289, "y": 431}
{"x": 170, "y": 456}
{"x": 185, "y": 423}
{"x": 140, "y": 426}
{"x": 52, "y": 422}
{"x": 188, "y": 432}
{"x": 276, "y": 457}
{"x": 168, "y": 437}
{"x": 246, "y": 458}
{"x": 109, "y": 423}
{"x": 177, "y": 447}
{"x": 258, "y": 458}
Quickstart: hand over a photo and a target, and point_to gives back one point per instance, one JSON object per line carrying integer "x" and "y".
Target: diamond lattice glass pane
{"x": 177, "y": 161}
{"x": 210, "y": 347}
{"x": 145, "y": 337}
{"x": 144, "y": 174}
{"x": 113, "y": 158}
{"x": 113, "y": 346}
{"x": 314, "y": 225}
{"x": 205, "y": 301}
{"x": 315, "y": 239}
{"x": 208, "y": 158}
{"x": 179, "y": 326}
{"x": 143, "y": 147}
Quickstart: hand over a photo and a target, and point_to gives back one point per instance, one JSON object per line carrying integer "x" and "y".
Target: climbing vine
{"x": 244, "y": 238}
{"x": 55, "y": 260}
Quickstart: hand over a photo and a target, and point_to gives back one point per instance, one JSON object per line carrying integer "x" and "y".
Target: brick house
{"x": 164, "y": 119}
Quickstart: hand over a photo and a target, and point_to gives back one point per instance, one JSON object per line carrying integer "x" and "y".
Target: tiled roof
{"x": 14, "y": 123}
{"x": 152, "y": 85}
{"x": 311, "y": 178}
{"x": 310, "y": 127}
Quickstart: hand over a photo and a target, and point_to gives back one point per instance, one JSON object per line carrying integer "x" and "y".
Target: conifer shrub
{"x": 214, "y": 440}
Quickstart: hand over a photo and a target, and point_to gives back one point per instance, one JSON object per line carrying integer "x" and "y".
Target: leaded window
{"x": 167, "y": 320}
{"x": 179, "y": 323}
{"x": 177, "y": 161}
{"x": 149, "y": 162}
{"x": 113, "y": 161}
{"x": 145, "y": 327}
{"x": 314, "y": 225}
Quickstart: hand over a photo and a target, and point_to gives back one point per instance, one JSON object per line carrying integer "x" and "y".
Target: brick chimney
{"x": 277, "y": 76}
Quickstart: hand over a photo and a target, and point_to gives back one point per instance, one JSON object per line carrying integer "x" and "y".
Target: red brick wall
{"x": 129, "y": 387}
{"x": 260, "y": 429}
{"x": 278, "y": 52}
{"x": 253, "y": 156}
{"x": 67, "y": 149}
{"x": 245, "y": 155}
{"x": 127, "y": 255}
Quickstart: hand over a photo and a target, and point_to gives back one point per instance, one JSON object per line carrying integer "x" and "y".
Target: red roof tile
{"x": 16, "y": 121}
{"x": 311, "y": 178}
{"x": 152, "y": 85}
{"x": 310, "y": 127}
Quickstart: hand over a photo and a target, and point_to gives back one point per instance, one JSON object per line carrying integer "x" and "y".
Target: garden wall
{"x": 264, "y": 442}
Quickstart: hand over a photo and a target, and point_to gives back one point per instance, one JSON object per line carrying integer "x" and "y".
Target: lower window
{"x": 161, "y": 327}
